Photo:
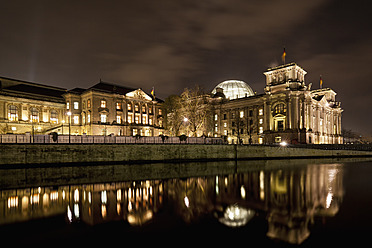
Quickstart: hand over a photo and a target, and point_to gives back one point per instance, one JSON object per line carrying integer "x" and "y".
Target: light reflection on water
{"x": 289, "y": 198}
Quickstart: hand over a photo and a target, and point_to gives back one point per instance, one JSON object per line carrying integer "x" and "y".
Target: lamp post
{"x": 33, "y": 131}
{"x": 185, "y": 122}
{"x": 69, "y": 127}
{"x": 63, "y": 122}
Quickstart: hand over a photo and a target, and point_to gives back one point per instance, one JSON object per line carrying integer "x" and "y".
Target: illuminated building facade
{"x": 30, "y": 107}
{"x": 288, "y": 110}
{"x": 107, "y": 108}
{"x": 102, "y": 109}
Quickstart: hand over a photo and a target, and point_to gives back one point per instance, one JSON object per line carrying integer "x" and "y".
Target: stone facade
{"x": 102, "y": 109}
{"x": 30, "y": 108}
{"x": 288, "y": 110}
{"x": 107, "y": 109}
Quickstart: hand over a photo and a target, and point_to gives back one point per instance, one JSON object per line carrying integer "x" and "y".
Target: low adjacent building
{"x": 107, "y": 108}
{"x": 30, "y": 107}
{"x": 102, "y": 109}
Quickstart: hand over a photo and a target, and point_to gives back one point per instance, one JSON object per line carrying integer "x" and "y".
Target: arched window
{"x": 279, "y": 109}
{"x": 34, "y": 115}
{"x": 12, "y": 113}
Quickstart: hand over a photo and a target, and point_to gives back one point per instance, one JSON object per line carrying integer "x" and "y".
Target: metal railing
{"x": 99, "y": 139}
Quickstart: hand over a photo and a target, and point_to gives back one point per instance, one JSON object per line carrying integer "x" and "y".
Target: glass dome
{"x": 234, "y": 89}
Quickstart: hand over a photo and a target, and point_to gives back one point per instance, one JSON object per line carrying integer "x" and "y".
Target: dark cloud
{"x": 175, "y": 44}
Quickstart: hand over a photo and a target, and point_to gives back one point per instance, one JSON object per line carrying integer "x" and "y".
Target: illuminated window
{"x": 12, "y": 113}
{"x": 150, "y": 121}
{"x": 144, "y": 119}
{"x": 103, "y": 118}
{"x": 68, "y": 105}
{"x": 150, "y": 109}
{"x": 118, "y": 119}
{"x": 76, "y": 105}
{"x": 53, "y": 117}
{"x": 215, "y": 117}
{"x": 147, "y": 132}
{"x": 118, "y": 105}
{"x": 160, "y": 112}
{"x": 241, "y": 114}
{"x": 143, "y": 109}
{"x": 260, "y": 111}
{"x": 260, "y": 140}
{"x": 135, "y": 132}
{"x": 88, "y": 118}
{"x": 34, "y": 115}
{"x": 103, "y": 103}
{"x": 76, "y": 119}
{"x": 130, "y": 119}
{"x": 279, "y": 109}
{"x": 136, "y": 108}
{"x": 261, "y": 121}
{"x": 260, "y": 130}
{"x": 129, "y": 106}
{"x": 88, "y": 103}
{"x": 225, "y": 124}
{"x": 160, "y": 123}
{"x": 225, "y": 132}
{"x": 136, "y": 119}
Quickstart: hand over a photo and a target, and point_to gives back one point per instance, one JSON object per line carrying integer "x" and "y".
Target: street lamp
{"x": 186, "y": 122}
{"x": 69, "y": 127}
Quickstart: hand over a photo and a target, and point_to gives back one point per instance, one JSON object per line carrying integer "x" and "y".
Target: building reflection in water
{"x": 288, "y": 198}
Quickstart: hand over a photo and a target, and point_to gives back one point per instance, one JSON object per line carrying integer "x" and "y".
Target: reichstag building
{"x": 289, "y": 110}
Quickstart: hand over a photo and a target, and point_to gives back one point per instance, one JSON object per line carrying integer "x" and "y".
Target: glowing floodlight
{"x": 283, "y": 143}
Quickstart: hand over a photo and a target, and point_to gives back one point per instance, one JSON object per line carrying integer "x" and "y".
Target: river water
{"x": 303, "y": 203}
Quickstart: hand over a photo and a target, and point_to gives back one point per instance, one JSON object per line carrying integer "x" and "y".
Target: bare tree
{"x": 239, "y": 125}
{"x": 195, "y": 110}
{"x": 173, "y": 119}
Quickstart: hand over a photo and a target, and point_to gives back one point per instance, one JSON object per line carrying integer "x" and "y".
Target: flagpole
{"x": 283, "y": 55}
{"x": 153, "y": 92}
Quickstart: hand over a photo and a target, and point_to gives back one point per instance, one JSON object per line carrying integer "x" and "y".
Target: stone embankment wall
{"x": 140, "y": 153}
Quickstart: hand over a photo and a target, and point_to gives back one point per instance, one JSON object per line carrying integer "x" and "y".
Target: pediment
{"x": 138, "y": 94}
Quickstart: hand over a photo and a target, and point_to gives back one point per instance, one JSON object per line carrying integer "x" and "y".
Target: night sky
{"x": 173, "y": 44}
